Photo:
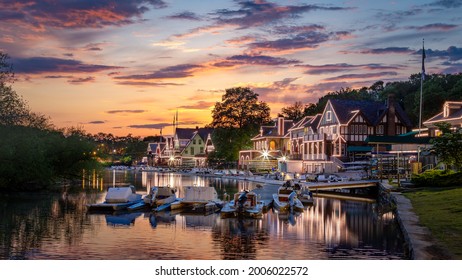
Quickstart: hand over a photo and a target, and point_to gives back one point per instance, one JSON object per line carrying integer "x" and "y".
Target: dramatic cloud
{"x": 449, "y": 4}
{"x": 254, "y": 60}
{"x": 452, "y": 53}
{"x": 185, "y": 16}
{"x": 58, "y": 77}
{"x": 201, "y": 105}
{"x": 147, "y": 84}
{"x": 161, "y": 125}
{"x": 435, "y": 26}
{"x": 172, "y": 72}
{"x": 297, "y": 29}
{"x": 362, "y": 76}
{"x": 451, "y": 68}
{"x": 81, "y": 80}
{"x": 389, "y": 50}
{"x": 75, "y": 14}
{"x": 258, "y": 13}
{"x": 344, "y": 67}
{"x": 125, "y": 111}
{"x": 37, "y": 65}
{"x": 301, "y": 41}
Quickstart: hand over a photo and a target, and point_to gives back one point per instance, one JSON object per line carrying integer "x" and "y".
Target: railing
{"x": 337, "y": 162}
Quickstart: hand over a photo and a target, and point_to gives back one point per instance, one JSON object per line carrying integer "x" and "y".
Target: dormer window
{"x": 446, "y": 111}
{"x": 328, "y": 115}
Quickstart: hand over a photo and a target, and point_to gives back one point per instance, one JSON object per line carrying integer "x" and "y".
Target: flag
{"x": 423, "y": 61}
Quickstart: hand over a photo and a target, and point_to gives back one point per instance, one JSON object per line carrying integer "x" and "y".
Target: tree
{"x": 294, "y": 112}
{"x": 240, "y": 108}
{"x": 236, "y": 119}
{"x": 448, "y": 146}
{"x": 13, "y": 109}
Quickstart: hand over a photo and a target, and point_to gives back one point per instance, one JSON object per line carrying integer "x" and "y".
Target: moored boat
{"x": 117, "y": 198}
{"x": 198, "y": 199}
{"x": 286, "y": 200}
{"x": 244, "y": 204}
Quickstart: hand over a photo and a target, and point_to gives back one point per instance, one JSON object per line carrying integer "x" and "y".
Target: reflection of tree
{"x": 27, "y": 222}
{"x": 239, "y": 238}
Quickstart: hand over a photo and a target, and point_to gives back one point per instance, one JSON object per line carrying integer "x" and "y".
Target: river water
{"x": 58, "y": 226}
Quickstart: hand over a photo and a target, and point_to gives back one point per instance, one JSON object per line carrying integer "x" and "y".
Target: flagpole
{"x": 421, "y": 95}
{"x": 421, "y": 86}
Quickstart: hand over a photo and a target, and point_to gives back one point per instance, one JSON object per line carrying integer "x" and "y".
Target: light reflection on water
{"x": 58, "y": 227}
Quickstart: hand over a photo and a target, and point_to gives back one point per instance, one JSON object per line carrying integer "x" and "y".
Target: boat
{"x": 286, "y": 199}
{"x": 304, "y": 194}
{"x": 245, "y": 204}
{"x": 117, "y": 198}
{"x": 159, "y": 199}
{"x": 199, "y": 200}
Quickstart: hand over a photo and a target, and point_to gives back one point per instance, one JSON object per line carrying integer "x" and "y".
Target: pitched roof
{"x": 373, "y": 111}
{"x": 455, "y": 113}
{"x": 188, "y": 133}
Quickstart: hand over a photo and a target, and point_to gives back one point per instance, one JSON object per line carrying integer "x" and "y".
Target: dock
{"x": 341, "y": 185}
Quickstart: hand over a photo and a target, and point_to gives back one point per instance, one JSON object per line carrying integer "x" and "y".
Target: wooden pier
{"x": 341, "y": 185}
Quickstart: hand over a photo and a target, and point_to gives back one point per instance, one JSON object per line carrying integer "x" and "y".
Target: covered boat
{"x": 245, "y": 204}
{"x": 117, "y": 198}
{"x": 198, "y": 199}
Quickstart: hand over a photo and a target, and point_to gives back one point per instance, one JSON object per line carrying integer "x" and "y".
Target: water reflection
{"x": 57, "y": 226}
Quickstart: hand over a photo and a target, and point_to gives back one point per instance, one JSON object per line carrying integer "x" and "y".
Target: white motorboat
{"x": 244, "y": 204}
{"x": 198, "y": 199}
{"x": 286, "y": 200}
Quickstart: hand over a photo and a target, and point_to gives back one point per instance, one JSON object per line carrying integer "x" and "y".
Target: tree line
{"x": 238, "y": 117}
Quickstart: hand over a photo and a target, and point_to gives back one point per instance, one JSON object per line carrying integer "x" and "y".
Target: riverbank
{"x": 421, "y": 244}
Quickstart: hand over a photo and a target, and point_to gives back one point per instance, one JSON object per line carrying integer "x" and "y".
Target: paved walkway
{"x": 420, "y": 241}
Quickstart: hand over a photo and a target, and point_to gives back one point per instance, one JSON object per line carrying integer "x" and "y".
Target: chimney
{"x": 280, "y": 126}
{"x": 391, "y": 114}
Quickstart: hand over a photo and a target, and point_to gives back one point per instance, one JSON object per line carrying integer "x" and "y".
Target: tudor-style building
{"x": 270, "y": 144}
{"x": 341, "y": 131}
{"x": 187, "y": 147}
{"x": 452, "y": 114}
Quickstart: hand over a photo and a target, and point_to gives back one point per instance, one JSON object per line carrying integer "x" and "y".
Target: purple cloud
{"x": 75, "y": 14}
{"x": 258, "y": 13}
{"x": 185, "y": 16}
{"x": 449, "y": 4}
{"x": 125, "y": 111}
{"x": 388, "y": 50}
{"x": 81, "y": 80}
{"x": 361, "y": 76}
{"x": 255, "y": 60}
{"x": 201, "y": 105}
{"x": 37, "y": 65}
{"x": 452, "y": 53}
{"x": 343, "y": 67}
{"x": 435, "y": 26}
{"x": 171, "y": 72}
{"x": 96, "y": 122}
{"x": 306, "y": 40}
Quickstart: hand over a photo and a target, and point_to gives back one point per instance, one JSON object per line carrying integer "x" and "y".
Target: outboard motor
{"x": 292, "y": 200}
{"x": 241, "y": 200}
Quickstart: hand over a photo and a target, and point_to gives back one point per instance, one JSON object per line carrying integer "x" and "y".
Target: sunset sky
{"x": 127, "y": 66}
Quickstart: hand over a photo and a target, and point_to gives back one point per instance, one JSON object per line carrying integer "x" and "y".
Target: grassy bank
{"x": 441, "y": 211}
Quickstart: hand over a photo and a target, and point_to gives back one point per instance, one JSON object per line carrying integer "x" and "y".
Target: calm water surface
{"x": 55, "y": 226}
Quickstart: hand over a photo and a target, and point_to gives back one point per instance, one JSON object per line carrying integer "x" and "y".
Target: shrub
{"x": 438, "y": 178}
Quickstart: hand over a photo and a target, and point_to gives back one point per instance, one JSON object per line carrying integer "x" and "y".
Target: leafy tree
{"x": 294, "y": 112}
{"x": 448, "y": 146}
{"x": 13, "y": 109}
{"x": 240, "y": 108}
{"x": 236, "y": 119}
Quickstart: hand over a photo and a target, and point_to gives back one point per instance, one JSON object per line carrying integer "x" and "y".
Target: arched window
{"x": 272, "y": 145}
